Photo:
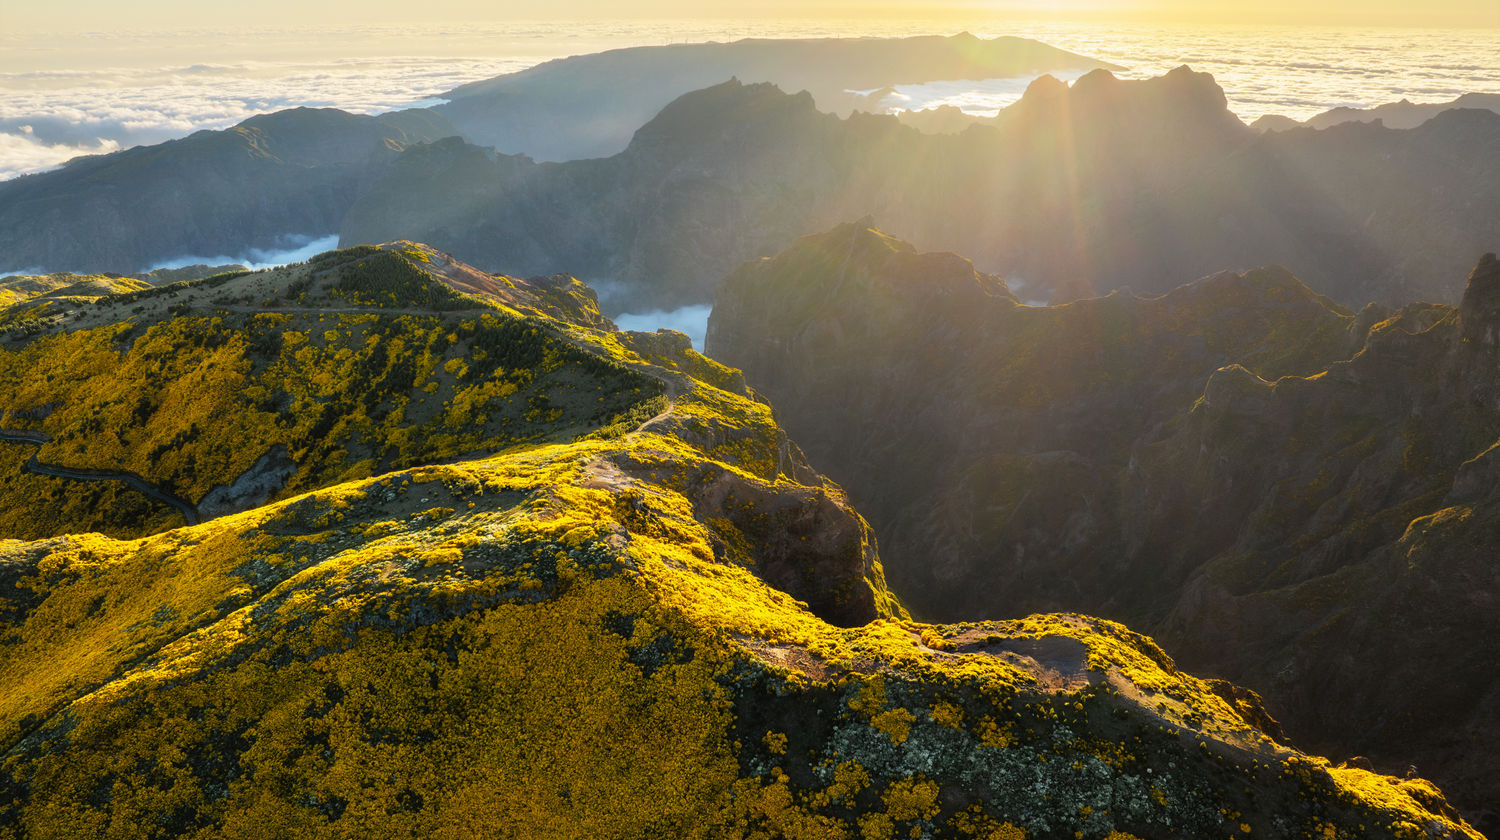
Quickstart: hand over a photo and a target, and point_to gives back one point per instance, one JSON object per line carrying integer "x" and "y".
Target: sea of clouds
{"x": 92, "y": 93}
{"x": 97, "y": 92}
{"x": 48, "y": 117}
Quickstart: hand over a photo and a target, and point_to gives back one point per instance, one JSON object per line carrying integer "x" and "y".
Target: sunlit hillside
{"x": 1003, "y": 420}
{"x": 673, "y": 626}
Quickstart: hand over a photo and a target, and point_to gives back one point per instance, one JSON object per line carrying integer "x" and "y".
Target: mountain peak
{"x": 713, "y": 111}
{"x": 854, "y": 266}
{"x": 1047, "y": 87}
{"x": 1182, "y": 100}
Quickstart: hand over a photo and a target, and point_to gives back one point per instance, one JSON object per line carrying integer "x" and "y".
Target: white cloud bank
{"x": 294, "y": 247}
{"x": 692, "y": 320}
{"x": 21, "y": 151}
{"x": 91, "y": 92}
{"x": 48, "y": 117}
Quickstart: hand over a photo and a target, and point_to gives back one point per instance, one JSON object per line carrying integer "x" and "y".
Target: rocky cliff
{"x": 665, "y": 626}
{"x": 1271, "y": 484}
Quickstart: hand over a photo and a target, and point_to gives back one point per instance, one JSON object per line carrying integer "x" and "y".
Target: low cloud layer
{"x": 85, "y": 93}
{"x": 293, "y": 247}
{"x": 48, "y": 117}
{"x": 692, "y": 320}
{"x": 984, "y": 98}
{"x": 21, "y": 151}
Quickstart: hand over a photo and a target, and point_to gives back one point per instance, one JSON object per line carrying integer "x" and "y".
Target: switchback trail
{"x": 134, "y": 481}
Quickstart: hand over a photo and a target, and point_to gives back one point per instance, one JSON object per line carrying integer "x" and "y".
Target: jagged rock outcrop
{"x": 1269, "y": 483}
{"x": 1479, "y": 311}
{"x": 669, "y": 626}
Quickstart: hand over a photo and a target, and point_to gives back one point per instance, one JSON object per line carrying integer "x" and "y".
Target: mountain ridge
{"x": 1267, "y": 481}
{"x": 1145, "y": 184}
{"x": 588, "y": 106}
{"x": 290, "y": 173}
{"x": 676, "y": 627}
{"x": 1128, "y": 200}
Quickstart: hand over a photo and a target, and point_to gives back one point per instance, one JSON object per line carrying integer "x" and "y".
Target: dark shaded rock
{"x": 1069, "y": 193}
{"x": 292, "y": 173}
{"x": 1479, "y": 312}
{"x": 1218, "y": 464}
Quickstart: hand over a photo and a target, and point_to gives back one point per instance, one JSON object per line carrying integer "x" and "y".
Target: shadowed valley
{"x": 1271, "y": 484}
{"x": 640, "y": 613}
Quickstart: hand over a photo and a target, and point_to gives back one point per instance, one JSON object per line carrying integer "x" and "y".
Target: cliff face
{"x": 670, "y": 626}
{"x": 1265, "y": 480}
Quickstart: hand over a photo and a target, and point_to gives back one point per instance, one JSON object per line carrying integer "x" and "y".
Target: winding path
{"x": 133, "y": 480}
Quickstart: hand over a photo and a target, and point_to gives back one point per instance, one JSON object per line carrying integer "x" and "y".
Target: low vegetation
{"x": 676, "y": 629}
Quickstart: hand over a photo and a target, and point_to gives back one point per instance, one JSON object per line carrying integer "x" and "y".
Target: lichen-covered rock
{"x": 671, "y": 629}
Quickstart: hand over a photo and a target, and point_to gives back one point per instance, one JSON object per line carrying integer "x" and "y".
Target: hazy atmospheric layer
{"x": 78, "y": 94}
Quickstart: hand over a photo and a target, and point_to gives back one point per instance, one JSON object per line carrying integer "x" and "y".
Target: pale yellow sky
{"x": 72, "y": 15}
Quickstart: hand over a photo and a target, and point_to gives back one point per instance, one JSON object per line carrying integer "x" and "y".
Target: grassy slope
{"x": 578, "y": 639}
{"x": 312, "y": 359}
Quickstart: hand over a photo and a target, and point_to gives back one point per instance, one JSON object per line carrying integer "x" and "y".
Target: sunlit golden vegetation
{"x": 671, "y": 628}
{"x": 193, "y": 402}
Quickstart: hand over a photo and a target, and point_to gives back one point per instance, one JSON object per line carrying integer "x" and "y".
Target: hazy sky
{"x": 67, "y": 15}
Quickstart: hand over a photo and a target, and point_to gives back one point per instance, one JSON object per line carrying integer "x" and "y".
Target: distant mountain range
{"x": 1274, "y": 486}
{"x": 949, "y": 119}
{"x": 1403, "y": 114}
{"x": 211, "y": 193}
{"x": 1073, "y": 192}
{"x": 588, "y": 106}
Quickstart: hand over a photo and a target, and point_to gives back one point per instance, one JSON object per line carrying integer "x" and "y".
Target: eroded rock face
{"x": 1265, "y": 480}
{"x": 252, "y": 488}
{"x": 619, "y": 632}
{"x": 1479, "y": 312}
{"x": 806, "y": 542}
